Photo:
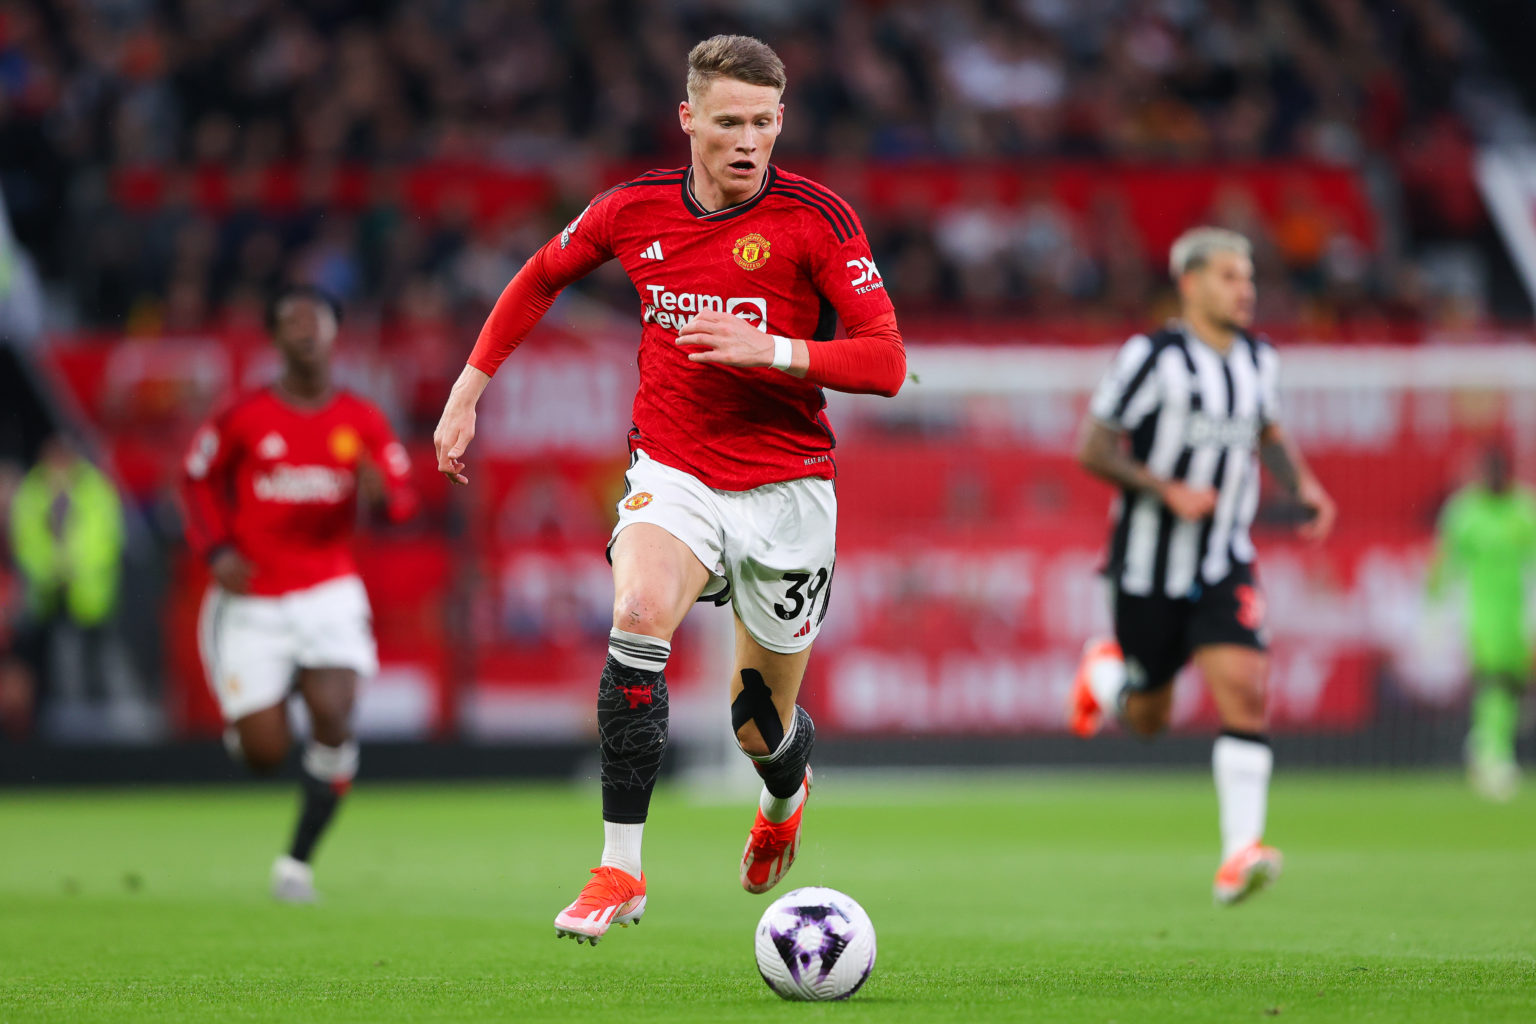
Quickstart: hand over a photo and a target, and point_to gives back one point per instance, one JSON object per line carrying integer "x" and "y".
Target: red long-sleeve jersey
{"x": 791, "y": 261}
{"x": 278, "y": 482}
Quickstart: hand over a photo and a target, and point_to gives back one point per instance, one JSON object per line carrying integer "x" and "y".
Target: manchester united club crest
{"x": 750, "y": 251}
{"x": 638, "y": 501}
{"x": 345, "y": 444}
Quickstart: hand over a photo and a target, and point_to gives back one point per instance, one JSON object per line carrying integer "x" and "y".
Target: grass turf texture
{"x": 1042, "y": 898}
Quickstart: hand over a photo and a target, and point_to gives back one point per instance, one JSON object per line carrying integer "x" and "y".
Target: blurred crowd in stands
{"x": 93, "y": 89}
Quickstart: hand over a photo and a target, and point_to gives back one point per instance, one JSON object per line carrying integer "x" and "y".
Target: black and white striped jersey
{"x": 1193, "y": 415}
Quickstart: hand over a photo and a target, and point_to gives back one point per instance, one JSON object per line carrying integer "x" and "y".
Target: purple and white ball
{"x": 815, "y": 943}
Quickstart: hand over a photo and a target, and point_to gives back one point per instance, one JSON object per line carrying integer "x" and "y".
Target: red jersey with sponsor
{"x": 278, "y": 482}
{"x": 793, "y": 260}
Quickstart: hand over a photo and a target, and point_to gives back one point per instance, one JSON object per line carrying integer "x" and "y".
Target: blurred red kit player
{"x": 744, "y": 272}
{"x": 270, "y": 492}
{"x": 278, "y": 482}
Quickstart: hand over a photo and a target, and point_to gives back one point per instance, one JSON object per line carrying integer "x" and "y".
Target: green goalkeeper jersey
{"x": 1490, "y": 540}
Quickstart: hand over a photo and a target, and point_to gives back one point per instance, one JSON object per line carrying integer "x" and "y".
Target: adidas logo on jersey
{"x": 653, "y": 251}
{"x": 272, "y": 446}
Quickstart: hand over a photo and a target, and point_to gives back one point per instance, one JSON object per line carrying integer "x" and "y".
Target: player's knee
{"x": 1257, "y": 694}
{"x": 264, "y": 756}
{"x": 759, "y": 725}
{"x": 330, "y": 711}
{"x": 263, "y": 741}
{"x": 332, "y": 726}
{"x": 638, "y": 611}
{"x": 750, "y": 739}
{"x": 1249, "y": 695}
{"x": 783, "y": 768}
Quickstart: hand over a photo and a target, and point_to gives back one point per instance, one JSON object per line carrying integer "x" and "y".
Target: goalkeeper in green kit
{"x": 1487, "y": 535}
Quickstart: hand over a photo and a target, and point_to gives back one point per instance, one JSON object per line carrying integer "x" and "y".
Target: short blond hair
{"x": 743, "y": 58}
{"x": 1195, "y": 247}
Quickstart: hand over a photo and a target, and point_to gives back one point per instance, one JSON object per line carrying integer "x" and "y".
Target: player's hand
{"x": 1188, "y": 503}
{"x": 370, "y": 483}
{"x": 457, "y": 427}
{"x": 727, "y": 340}
{"x": 232, "y": 571}
{"x": 1311, "y": 495}
{"x": 451, "y": 438}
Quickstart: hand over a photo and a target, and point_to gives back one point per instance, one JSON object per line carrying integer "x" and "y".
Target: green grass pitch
{"x": 1030, "y": 897}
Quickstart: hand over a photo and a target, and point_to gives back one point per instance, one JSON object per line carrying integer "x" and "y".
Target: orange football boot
{"x": 771, "y": 847}
{"x": 611, "y": 897}
{"x": 1084, "y": 715}
{"x": 1246, "y": 872}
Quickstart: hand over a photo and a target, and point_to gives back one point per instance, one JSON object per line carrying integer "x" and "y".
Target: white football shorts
{"x": 253, "y": 647}
{"x": 771, "y": 550}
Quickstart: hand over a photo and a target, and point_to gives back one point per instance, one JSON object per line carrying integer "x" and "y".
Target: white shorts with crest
{"x": 770, "y": 551}
{"x": 253, "y": 647}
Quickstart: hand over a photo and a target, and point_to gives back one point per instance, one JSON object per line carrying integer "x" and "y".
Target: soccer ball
{"x": 815, "y": 943}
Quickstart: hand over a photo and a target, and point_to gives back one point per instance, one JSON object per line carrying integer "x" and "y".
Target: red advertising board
{"x": 968, "y": 546}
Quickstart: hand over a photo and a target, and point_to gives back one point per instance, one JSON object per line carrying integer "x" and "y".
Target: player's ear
{"x": 685, "y": 117}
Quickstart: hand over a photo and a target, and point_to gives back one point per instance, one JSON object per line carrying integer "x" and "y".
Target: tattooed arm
{"x": 1101, "y": 451}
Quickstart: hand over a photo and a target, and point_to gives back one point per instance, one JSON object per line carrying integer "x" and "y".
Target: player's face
{"x": 1496, "y": 470}
{"x": 306, "y": 330}
{"x": 733, "y": 127}
{"x": 1222, "y": 291}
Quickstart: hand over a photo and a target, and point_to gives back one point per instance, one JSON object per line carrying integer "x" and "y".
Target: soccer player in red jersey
{"x": 270, "y": 493}
{"x": 743, "y": 271}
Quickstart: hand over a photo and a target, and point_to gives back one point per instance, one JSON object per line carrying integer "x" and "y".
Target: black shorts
{"x": 1159, "y": 634}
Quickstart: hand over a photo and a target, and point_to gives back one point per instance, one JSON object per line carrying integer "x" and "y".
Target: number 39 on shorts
{"x": 801, "y": 593}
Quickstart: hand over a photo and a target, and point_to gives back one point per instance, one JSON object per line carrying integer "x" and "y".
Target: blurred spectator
{"x": 66, "y": 530}
{"x": 21, "y": 296}
{"x": 17, "y": 687}
{"x": 93, "y": 90}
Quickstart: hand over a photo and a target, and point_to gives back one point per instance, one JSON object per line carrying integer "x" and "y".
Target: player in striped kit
{"x": 1196, "y": 401}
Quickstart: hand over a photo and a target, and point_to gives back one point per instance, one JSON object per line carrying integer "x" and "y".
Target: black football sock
{"x": 632, "y": 723}
{"x": 327, "y": 776}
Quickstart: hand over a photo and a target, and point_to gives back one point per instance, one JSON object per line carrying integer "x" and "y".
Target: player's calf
{"x": 326, "y": 774}
{"x": 1147, "y": 714}
{"x": 780, "y": 756}
{"x": 1106, "y": 689}
{"x": 785, "y": 770}
{"x": 326, "y": 777}
{"x": 632, "y": 713}
{"x": 1241, "y": 763}
{"x": 1238, "y": 680}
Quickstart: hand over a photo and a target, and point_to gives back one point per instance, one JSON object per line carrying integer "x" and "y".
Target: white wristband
{"x": 783, "y": 352}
